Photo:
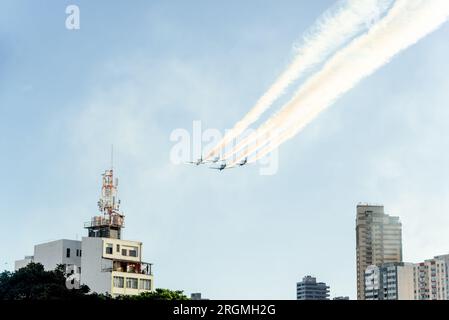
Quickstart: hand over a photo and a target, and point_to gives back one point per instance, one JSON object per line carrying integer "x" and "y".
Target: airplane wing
{"x": 222, "y": 168}
{"x": 191, "y": 162}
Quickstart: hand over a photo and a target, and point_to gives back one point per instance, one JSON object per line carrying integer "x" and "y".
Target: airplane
{"x": 216, "y": 159}
{"x": 222, "y": 166}
{"x": 197, "y": 162}
{"x": 243, "y": 162}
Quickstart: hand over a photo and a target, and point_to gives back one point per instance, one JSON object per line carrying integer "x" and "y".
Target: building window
{"x": 80, "y": 252}
{"x": 124, "y": 252}
{"x": 131, "y": 283}
{"x": 145, "y": 284}
{"x": 118, "y": 282}
{"x": 133, "y": 252}
{"x": 108, "y": 248}
{"x": 67, "y": 254}
{"x": 117, "y": 248}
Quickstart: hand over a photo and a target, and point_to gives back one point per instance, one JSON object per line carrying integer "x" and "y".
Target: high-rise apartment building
{"x": 431, "y": 279}
{"x": 389, "y": 281}
{"x": 309, "y": 289}
{"x": 378, "y": 241}
{"x": 445, "y": 258}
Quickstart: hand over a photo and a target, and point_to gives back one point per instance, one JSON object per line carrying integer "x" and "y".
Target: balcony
{"x": 131, "y": 267}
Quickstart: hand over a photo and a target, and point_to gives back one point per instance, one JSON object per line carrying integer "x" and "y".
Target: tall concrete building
{"x": 445, "y": 258}
{"x": 309, "y": 289}
{"x": 389, "y": 281}
{"x": 431, "y": 279}
{"x": 378, "y": 241}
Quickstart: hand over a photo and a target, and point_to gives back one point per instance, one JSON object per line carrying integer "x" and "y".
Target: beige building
{"x": 378, "y": 241}
{"x": 115, "y": 266}
{"x": 431, "y": 279}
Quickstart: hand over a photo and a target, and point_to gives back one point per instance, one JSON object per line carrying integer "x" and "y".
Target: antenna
{"x": 112, "y": 157}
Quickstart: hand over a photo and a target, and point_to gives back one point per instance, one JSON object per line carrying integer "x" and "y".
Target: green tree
{"x": 158, "y": 294}
{"x": 34, "y": 283}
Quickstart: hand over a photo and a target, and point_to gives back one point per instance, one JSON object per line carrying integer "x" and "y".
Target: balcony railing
{"x": 99, "y": 221}
{"x": 138, "y": 268}
{"x": 145, "y": 268}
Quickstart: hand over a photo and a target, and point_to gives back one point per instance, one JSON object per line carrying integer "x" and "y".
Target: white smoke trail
{"x": 332, "y": 30}
{"x": 407, "y": 23}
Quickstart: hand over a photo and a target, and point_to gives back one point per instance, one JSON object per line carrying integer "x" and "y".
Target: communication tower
{"x": 110, "y": 222}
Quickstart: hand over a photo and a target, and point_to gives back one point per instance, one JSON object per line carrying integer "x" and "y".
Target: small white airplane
{"x": 215, "y": 160}
{"x": 222, "y": 166}
{"x": 243, "y": 162}
{"x": 202, "y": 161}
{"x": 197, "y": 162}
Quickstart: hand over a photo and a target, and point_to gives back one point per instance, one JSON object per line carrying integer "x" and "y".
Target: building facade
{"x": 389, "y": 281}
{"x": 309, "y": 289}
{"x": 445, "y": 258}
{"x": 23, "y": 262}
{"x": 54, "y": 253}
{"x": 378, "y": 241}
{"x": 115, "y": 266}
{"x": 431, "y": 279}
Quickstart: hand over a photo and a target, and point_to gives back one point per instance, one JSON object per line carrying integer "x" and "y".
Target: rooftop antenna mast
{"x": 111, "y": 220}
{"x": 112, "y": 157}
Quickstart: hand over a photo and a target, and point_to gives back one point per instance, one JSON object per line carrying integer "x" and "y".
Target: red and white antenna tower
{"x": 109, "y": 224}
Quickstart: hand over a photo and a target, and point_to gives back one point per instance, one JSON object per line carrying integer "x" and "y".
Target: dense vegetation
{"x": 34, "y": 283}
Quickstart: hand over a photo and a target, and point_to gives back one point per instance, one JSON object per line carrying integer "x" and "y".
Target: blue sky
{"x": 133, "y": 73}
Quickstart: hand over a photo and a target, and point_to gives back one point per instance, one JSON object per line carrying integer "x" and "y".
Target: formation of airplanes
{"x": 222, "y": 166}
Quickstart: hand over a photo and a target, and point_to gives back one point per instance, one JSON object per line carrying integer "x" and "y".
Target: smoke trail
{"x": 407, "y": 23}
{"x": 335, "y": 28}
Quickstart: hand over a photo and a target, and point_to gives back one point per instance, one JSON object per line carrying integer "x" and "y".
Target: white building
{"x": 105, "y": 262}
{"x": 389, "y": 281}
{"x": 50, "y": 254}
{"x": 23, "y": 262}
